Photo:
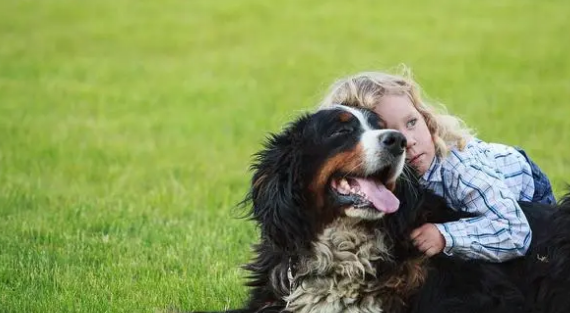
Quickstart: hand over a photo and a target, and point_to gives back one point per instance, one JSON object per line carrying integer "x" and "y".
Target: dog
{"x": 335, "y": 205}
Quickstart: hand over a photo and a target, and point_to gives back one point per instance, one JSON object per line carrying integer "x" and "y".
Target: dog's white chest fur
{"x": 339, "y": 276}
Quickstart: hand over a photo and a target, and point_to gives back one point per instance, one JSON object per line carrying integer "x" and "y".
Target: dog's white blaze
{"x": 370, "y": 140}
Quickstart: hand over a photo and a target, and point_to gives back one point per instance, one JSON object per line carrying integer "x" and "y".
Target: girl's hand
{"x": 428, "y": 239}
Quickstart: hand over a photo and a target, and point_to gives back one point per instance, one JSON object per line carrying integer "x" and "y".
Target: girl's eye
{"x": 411, "y": 123}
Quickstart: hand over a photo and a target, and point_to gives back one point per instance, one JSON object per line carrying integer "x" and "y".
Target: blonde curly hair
{"x": 366, "y": 89}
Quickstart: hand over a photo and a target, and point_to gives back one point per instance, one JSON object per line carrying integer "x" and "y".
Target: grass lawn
{"x": 126, "y": 127}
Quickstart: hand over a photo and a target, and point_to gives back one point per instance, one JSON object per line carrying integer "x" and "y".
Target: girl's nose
{"x": 410, "y": 142}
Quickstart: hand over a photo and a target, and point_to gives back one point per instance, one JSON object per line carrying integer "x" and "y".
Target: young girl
{"x": 478, "y": 177}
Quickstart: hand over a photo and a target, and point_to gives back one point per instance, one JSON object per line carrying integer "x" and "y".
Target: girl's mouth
{"x": 416, "y": 159}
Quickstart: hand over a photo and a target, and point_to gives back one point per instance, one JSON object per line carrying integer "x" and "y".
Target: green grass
{"x": 126, "y": 127}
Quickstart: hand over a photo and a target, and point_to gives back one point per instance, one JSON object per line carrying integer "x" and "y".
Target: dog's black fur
{"x": 291, "y": 213}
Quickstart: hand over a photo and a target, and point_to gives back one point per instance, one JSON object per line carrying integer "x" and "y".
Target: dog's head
{"x": 332, "y": 163}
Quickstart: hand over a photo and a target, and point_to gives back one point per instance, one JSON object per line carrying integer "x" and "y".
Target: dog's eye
{"x": 342, "y": 131}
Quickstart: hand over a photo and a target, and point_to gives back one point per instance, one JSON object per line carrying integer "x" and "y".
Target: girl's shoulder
{"x": 475, "y": 153}
{"x": 481, "y": 156}
{"x": 469, "y": 153}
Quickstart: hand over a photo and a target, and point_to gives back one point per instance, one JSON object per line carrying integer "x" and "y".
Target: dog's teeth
{"x": 343, "y": 185}
{"x": 362, "y": 194}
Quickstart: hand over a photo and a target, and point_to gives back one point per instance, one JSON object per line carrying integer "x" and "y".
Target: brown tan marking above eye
{"x": 345, "y": 117}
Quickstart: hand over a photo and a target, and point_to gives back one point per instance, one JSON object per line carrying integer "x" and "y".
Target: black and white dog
{"x": 335, "y": 215}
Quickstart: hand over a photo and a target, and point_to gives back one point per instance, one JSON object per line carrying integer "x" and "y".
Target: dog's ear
{"x": 276, "y": 192}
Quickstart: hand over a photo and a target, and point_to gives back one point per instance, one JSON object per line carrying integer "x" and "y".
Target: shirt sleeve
{"x": 499, "y": 231}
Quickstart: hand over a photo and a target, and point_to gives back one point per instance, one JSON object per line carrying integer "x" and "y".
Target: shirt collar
{"x": 433, "y": 174}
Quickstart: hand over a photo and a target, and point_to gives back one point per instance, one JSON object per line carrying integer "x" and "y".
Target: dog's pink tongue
{"x": 382, "y": 198}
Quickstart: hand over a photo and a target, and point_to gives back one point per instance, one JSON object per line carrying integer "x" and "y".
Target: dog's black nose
{"x": 394, "y": 142}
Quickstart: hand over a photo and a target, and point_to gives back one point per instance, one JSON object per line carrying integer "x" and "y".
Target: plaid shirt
{"x": 485, "y": 179}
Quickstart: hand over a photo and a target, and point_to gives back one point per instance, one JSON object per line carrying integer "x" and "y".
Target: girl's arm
{"x": 499, "y": 232}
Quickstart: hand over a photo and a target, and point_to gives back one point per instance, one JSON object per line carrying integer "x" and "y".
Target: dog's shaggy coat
{"x": 326, "y": 248}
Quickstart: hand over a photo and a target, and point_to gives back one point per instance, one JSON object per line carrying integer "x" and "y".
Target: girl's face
{"x": 398, "y": 112}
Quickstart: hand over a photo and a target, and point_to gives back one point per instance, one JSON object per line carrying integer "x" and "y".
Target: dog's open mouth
{"x": 366, "y": 193}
